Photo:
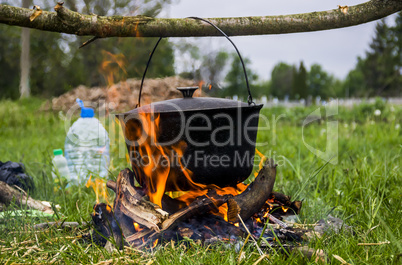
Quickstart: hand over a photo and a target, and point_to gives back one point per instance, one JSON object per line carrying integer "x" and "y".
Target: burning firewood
{"x": 131, "y": 209}
{"x": 257, "y": 193}
{"x": 106, "y": 225}
{"x": 130, "y": 203}
{"x": 198, "y": 207}
{"x": 136, "y": 221}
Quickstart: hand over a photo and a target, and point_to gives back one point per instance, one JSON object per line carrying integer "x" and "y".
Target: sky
{"x": 336, "y": 50}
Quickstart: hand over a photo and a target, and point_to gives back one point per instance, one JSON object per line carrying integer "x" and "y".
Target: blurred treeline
{"x": 58, "y": 65}
{"x": 378, "y": 73}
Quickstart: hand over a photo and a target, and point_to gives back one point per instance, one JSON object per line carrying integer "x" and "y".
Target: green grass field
{"x": 364, "y": 187}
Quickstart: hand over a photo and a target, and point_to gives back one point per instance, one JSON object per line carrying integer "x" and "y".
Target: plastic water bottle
{"x": 87, "y": 147}
{"x": 60, "y": 165}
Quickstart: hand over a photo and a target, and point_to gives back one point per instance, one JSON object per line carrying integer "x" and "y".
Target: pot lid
{"x": 188, "y": 103}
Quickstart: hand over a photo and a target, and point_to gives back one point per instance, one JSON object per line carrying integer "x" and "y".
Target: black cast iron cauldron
{"x": 217, "y": 136}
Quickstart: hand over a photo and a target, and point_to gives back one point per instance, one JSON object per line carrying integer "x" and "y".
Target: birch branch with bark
{"x": 70, "y": 22}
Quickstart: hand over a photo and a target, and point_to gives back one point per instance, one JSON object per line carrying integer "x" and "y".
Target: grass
{"x": 364, "y": 187}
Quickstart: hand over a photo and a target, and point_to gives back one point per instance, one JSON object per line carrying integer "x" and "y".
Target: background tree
{"x": 235, "y": 79}
{"x": 379, "y": 72}
{"x": 58, "y": 65}
{"x": 84, "y": 67}
{"x": 89, "y": 60}
{"x": 10, "y": 51}
{"x": 25, "y": 62}
{"x": 397, "y": 32}
{"x": 354, "y": 84}
{"x": 207, "y": 68}
{"x": 282, "y": 80}
{"x": 299, "y": 82}
{"x": 320, "y": 83}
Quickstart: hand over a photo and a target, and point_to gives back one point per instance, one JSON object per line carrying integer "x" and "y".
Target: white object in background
{"x": 60, "y": 165}
{"x": 87, "y": 147}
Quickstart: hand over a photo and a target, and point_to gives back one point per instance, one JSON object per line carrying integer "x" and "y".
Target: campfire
{"x": 208, "y": 215}
{"x": 162, "y": 199}
{"x": 190, "y": 158}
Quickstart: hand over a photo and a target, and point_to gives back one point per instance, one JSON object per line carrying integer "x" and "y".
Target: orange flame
{"x": 113, "y": 67}
{"x": 99, "y": 187}
{"x": 155, "y": 243}
{"x": 261, "y": 164}
{"x": 262, "y": 156}
{"x": 137, "y": 227}
{"x": 157, "y": 164}
{"x": 155, "y": 168}
{"x": 157, "y": 159}
{"x": 200, "y": 84}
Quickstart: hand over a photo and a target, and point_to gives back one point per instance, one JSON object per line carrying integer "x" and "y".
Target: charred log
{"x": 286, "y": 201}
{"x": 171, "y": 205}
{"x": 257, "y": 193}
{"x": 107, "y": 228}
{"x": 198, "y": 207}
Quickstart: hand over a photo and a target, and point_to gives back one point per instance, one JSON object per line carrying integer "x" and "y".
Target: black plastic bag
{"x": 13, "y": 173}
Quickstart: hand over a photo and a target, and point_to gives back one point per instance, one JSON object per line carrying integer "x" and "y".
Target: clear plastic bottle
{"x": 60, "y": 165}
{"x": 87, "y": 147}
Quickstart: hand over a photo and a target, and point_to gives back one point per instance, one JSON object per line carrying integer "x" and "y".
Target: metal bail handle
{"x": 249, "y": 98}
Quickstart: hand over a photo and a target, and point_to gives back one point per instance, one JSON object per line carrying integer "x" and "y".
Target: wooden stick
{"x": 252, "y": 237}
{"x": 374, "y": 244}
{"x": 9, "y": 194}
{"x": 111, "y": 185}
{"x": 277, "y": 221}
{"x": 58, "y": 224}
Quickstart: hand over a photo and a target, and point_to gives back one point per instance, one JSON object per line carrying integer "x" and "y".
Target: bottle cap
{"x": 57, "y": 152}
{"x": 85, "y": 112}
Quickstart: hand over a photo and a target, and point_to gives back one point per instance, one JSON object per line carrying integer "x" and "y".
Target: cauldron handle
{"x": 249, "y": 99}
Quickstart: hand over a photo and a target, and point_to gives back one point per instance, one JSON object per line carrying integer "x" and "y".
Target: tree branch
{"x": 67, "y": 21}
{"x": 8, "y": 194}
